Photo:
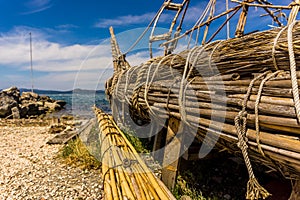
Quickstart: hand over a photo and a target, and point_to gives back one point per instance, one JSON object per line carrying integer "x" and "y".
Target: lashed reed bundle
{"x": 206, "y": 103}
{"x": 125, "y": 175}
{"x": 251, "y": 53}
{"x": 214, "y": 86}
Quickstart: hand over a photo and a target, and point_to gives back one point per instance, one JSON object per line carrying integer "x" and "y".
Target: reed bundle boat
{"x": 243, "y": 92}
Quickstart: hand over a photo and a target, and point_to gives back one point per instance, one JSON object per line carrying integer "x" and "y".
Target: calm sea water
{"x": 81, "y": 104}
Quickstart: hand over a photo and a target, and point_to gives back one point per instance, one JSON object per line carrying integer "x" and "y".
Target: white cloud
{"x": 35, "y": 6}
{"x": 57, "y": 66}
{"x": 66, "y": 26}
{"x": 54, "y": 64}
{"x": 166, "y": 17}
{"x": 38, "y": 3}
{"x": 125, "y": 20}
{"x": 48, "y": 56}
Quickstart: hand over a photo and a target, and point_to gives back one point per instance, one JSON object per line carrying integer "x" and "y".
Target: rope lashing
{"x": 293, "y": 70}
{"x": 259, "y": 93}
{"x": 274, "y": 47}
{"x": 182, "y": 84}
{"x": 254, "y": 189}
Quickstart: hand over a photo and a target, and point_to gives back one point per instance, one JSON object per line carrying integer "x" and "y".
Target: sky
{"x": 70, "y": 39}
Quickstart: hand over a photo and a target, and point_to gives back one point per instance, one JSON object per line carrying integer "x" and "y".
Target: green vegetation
{"x": 183, "y": 189}
{"x": 76, "y": 153}
{"x": 140, "y": 145}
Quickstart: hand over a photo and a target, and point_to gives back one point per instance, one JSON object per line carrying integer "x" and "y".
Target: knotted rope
{"x": 254, "y": 189}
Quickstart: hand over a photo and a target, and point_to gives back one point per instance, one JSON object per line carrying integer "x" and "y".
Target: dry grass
{"x": 76, "y": 153}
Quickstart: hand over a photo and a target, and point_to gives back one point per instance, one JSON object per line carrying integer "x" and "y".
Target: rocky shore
{"x": 15, "y": 105}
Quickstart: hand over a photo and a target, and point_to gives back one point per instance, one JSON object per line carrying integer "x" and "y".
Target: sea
{"x": 80, "y": 104}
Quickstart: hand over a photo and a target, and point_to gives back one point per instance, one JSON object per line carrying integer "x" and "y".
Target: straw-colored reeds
{"x": 125, "y": 175}
{"x": 248, "y": 83}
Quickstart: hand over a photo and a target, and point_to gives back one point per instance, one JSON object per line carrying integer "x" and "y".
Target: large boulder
{"x": 61, "y": 103}
{"x": 31, "y": 109}
{"x": 13, "y": 92}
{"x": 29, "y": 97}
{"x": 8, "y": 100}
{"x": 5, "y": 110}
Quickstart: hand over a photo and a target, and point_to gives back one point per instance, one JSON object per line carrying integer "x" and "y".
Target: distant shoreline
{"x": 78, "y": 91}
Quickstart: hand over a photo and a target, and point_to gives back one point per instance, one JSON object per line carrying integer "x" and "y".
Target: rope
{"x": 148, "y": 84}
{"x": 212, "y": 52}
{"x": 293, "y": 70}
{"x": 127, "y": 83}
{"x": 256, "y": 109}
{"x": 199, "y": 21}
{"x": 183, "y": 80}
{"x": 274, "y": 47}
{"x": 254, "y": 189}
{"x": 145, "y": 31}
{"x": 120, "y": 75}
{"x": 115, "y": 94}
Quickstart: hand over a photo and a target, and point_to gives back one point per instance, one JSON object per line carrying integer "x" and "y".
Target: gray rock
{"x": 45, "y": 98}
{"x": 52, "y": 106}
{"x": 5, "y": 110}
{"x": 15, "y": 113}
{"x": 29, "y": 96}
{"x": 23, "y": 111}
{"x": 12, "y": 92}
{"x": 6, "y": 103}
{"x": 61, "y": 103}
{"x": 227, "y": 197}
{"x": 14, "y": 105}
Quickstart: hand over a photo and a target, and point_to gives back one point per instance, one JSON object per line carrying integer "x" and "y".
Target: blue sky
{"x": 71, "y": 38}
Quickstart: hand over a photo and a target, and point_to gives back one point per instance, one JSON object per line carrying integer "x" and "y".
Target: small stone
{"x": 227, "y": 197}
{"x": 185, "y": 197}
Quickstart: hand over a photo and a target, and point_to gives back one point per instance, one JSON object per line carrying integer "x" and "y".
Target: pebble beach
{"x": 31, "y": 169}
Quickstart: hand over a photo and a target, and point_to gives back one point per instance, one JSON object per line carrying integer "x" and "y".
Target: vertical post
{"x": 159, "y": 143}
{"x": 31, "y": 67}
{"x": 172, "y": 153}
{"x": 242, "y": 21}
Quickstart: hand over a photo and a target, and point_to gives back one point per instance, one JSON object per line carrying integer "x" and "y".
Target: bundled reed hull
{"x": 206, "y": 87}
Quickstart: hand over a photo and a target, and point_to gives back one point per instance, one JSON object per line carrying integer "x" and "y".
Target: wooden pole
{"x": 172, "y": 153}
{"x": 242, "y": 21}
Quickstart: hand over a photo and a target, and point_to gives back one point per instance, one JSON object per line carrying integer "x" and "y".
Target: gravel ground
{"x": 30, "y": 169}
